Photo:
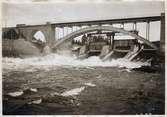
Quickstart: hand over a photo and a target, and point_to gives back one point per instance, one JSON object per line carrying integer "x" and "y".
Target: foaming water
{"x": 59, "y": 60}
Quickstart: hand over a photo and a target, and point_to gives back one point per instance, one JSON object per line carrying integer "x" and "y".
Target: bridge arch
{"x": 104, "y": 28}
{"x": 28, "y": 32}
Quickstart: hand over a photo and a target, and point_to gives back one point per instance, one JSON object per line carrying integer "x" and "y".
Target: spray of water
{"x": 59, "y": 60}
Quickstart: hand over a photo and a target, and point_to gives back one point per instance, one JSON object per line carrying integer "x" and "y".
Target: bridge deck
{"x": 110, "y": 21}
{"x": 100, "y": 22}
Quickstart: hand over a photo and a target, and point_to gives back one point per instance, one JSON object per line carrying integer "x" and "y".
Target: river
{"x": 62, "y": 85}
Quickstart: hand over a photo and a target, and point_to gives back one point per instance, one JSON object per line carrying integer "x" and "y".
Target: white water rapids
{"x": 59, "y": 60}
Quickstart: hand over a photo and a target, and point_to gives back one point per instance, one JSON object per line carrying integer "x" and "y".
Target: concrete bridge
{"x": 27, "y": 32}
{"x": 49, "y": 30}
{"x": 104, "y": 28}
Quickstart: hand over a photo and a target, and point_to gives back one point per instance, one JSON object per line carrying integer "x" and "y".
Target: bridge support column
{"x": 63, "y": 31}
{"x": 56, "y": 33}
{"x": 147, "y": 30}
{"x": 72, "y": 29}
{"x": 134, "y": 26}
{"x": 122, "y": 25}
{"x": 50, "y": 32}
{"x": 112, "y": 41}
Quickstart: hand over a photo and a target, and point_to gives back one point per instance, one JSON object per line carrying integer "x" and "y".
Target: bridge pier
{"x": 50, "y": 39}
{"x": 112, "y": 41}
{"x": 148, "y": 30}
{"x": 134, "y": 26}
{"x": 27, "y": 32}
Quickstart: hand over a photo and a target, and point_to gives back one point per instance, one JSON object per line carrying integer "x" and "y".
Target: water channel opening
{"x": 100, "y": 43}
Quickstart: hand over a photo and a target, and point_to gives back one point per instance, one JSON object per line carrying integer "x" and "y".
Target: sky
{"x": 15, "y": 13}
{"x": 27, "y": 13}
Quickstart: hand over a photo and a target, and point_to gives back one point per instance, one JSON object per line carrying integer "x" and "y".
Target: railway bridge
{"x": 51, "y": 31}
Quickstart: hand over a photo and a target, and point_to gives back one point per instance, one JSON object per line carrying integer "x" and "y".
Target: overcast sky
{"x": 14, "y": 13}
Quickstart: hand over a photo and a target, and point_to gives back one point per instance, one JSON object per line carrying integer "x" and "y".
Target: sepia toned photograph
{"x": 83, "y": 58}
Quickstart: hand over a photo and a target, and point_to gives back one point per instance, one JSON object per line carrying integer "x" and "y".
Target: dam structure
{"x": 91, "y": 32}
{"x": 83, "y": 59}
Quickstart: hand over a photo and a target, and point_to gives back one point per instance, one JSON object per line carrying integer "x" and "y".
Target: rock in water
{"x": 38, "y": 101}
{"x": 16, "y": 94}
{"x": 33, "y": 89}
{"x": 73, "y": 92}
{"x": 90, "y": 84}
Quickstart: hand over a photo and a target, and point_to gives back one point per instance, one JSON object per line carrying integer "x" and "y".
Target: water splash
{"x": 73, "y": 92}
{"x": 59, "y": 60}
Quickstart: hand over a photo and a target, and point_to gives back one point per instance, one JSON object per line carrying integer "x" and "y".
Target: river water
{"x": 63, "y": 85}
